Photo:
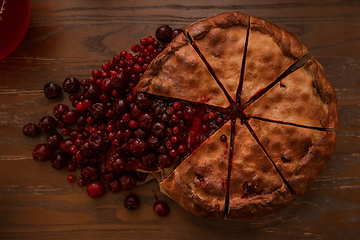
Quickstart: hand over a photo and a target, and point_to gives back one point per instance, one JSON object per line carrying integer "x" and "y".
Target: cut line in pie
{"x": 279, "y": 113}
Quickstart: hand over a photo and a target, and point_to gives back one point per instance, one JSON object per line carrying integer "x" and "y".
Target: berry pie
{"x": 260, "y": 117}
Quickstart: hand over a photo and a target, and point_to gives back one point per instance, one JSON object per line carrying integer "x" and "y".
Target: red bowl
{"x": 14, "y": 22}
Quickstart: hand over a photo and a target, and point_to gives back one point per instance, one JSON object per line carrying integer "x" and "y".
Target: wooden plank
{"x": 70, "y": 38}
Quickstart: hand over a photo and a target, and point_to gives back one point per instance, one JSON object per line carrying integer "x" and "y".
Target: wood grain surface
{"x": 70, "y": 38}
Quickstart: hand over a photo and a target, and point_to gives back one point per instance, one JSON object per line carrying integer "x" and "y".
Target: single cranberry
{"x": 98, "y": 111}
{"x": 41, "y": 152}
{"x": 59, "y": 160}
{"x": 70, "y": 117}
{"x": 119, "y": 164}
{"x": 54, "y": 139}
{"x": 52, "y": 90}
{"x": 97, "y": 141}
{"x": 148, "y": 160}
{"x": 80, "y": 182}
{"x": 146, "y": 120}
{"x": 139, "y": 133}
{"x": 121, "y": 107}
{"x": 128, "y": 182}
{"x": 71, "y": 85}
{"x": 114, "y": 186}
{"x": 85, "y": 148}
{"x": 30, "y": 130}
{"x": 142, "y": 100}
{"x": 132, "y": 202}
{"x": 223, "y": 138}
{"x": 59, "y": 110}
{"x": 47, "y": 124}
{"x": 71, "y": 167}
{"x": 90, "y": 172}
{"x": 153, "y": 142}
{"x": 135, "y": 111}
{"x": 164, "y": 161}
{"x": 95, "y": 189}
{"x": 120, "y": 82}
{"x": 161, "y": 208}
{"x": 176, "y": 32}
{"x": 71, "y": 178}
{"x": 158, "y": 129}
{"x": 138, "y": 146}
{"x": 92, "y": 92}
{"x": 163, "y": 33}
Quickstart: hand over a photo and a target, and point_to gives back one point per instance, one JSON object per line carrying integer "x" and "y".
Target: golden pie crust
{"x": 276, "y": 146}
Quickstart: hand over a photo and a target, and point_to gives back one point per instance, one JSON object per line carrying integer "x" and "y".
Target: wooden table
{"x": 70, "y": 38}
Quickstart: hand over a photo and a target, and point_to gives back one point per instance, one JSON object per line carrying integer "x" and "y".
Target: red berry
{"x": 161, "y": 208}
{"x": 95, "y": 189}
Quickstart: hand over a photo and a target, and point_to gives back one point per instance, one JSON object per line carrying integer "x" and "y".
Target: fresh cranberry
{"x": 71, "y": 178}
{"x": 161, "y": 208}
{"x": 119, "y": 164}
{"x": 90, "y": 172}
{"x": 163, "y": 33}
{"x": 95, "y": 189}
{"x": 71, "y": 85}
{"x": 30, "y": 130}
{"x": 164, "y": 161}
{"x": 176, "y": 32}
{"x": 52, "y": 90}
{"x": 114, "y": 186}
{"x": 132, "y": 202}
{"x": 146, "y": 120}
{"x": 59, "y": 160}
{"x": 70, "y": 117}
{"x": 128, "y": 182}
{"x": 137, "y": 146}
{"x": 59, "y": 110}
{"x": 142, "y": 100}
{"x": 71, "y": 167}
{"x": 97, "y": 141}
{"x": 41, "y": 152}
{"x": 158, "y": 129}
{"x": 120, "y": 82}
{"x": 121, "y": 107}
{"x": 223, "y": 138}
{"x": 86, "y": 149}
{"x": 92, "y": 91}
{"x": 80, "y": 182}
{"x": 47, "y": 124}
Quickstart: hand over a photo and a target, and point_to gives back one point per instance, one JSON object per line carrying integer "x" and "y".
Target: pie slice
{"x": 221, "y": 41}
{"x": 179, "y": 72}
{"x": 300, "y": 154}
{"x": 199, "y": 183}
{"x": 304, "y": 97}
{"x": 270, "y": 51}
{"x": 256, "y": 189}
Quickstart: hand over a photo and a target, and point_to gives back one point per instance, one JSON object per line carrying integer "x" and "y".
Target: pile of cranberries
{"x": 115, "y": 135}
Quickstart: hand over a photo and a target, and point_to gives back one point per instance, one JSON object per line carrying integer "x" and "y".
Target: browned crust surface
{"x": 256, "y": 188}
{"x": 179, "y": 72}
{"x": 304, "y": 97}
{"x": 300, "y": 154}
{"x": 313, "y": 164}
{"x": 271, "y": 50}
{"x": 198, "y": 184}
